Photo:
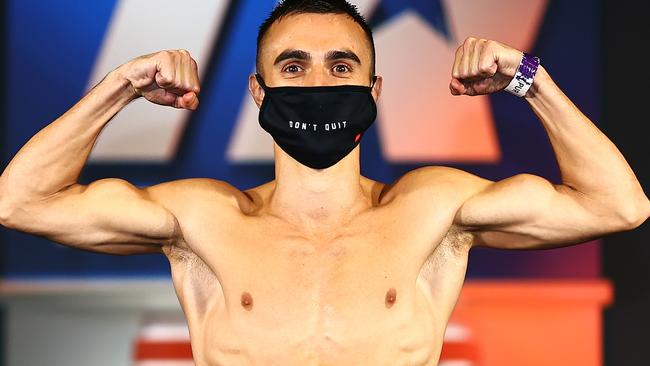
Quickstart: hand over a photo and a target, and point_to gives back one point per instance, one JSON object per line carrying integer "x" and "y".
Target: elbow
{"x": 6, "y": 213}
{"x": 10, "y": 211}
{"x": 6, "y": 209}
{"x": 635, "y": 213}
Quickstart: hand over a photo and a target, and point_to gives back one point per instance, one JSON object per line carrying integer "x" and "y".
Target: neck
{"x": 313, "y": 199}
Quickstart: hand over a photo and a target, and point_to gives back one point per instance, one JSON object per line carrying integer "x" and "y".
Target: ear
{"x": 376, "y": 89}
{"x": 257, "y": 92}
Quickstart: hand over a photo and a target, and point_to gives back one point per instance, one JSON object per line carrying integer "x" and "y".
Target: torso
{"x": 378, "y": 290}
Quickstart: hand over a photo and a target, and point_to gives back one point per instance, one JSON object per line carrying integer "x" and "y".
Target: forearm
{"x": 589, "y": 162}
{"x": 53, "y": 158}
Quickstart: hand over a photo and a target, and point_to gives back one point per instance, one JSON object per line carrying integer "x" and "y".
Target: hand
{"x": 167, "y": 78}
{"x": 483, "y": 66}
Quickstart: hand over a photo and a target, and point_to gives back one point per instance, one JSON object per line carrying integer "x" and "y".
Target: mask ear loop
{"x": 374, "y": 79}
{"x": 261, "y": 82}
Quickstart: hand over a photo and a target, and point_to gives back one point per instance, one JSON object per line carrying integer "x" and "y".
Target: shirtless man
{"x": 320, "y": 266}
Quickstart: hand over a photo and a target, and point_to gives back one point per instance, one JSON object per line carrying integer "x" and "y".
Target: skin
{"x": 319, "y": 266}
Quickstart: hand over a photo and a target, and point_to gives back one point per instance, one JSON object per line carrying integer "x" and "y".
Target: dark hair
{"x": 288, "y": 7}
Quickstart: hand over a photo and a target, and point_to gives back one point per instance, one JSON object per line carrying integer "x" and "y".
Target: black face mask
{"x": 317, "y": 125}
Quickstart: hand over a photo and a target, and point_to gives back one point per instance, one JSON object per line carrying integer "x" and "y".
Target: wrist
{"x": 126, "y": 89}
{"x": 524, "y": 76}
{"x": 541, "y": 78}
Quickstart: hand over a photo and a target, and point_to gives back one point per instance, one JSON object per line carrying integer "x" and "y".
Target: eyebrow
{"x": 342, "y": 55}
{"x": 292, "y": 54}
{"x": 306, "y": 56}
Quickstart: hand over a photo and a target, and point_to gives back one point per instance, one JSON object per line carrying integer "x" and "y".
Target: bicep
{"x": 108, "y": 216}
{"x": 529, "y": 212}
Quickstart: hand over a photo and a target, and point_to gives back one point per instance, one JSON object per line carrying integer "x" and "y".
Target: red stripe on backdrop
{"x": 465, "y": 351}
{"x": 181, "y": 350}
{"x": 161, "y": 350}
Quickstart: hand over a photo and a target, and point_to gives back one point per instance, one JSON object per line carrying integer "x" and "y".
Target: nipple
{"x": 391, "y": 297}
{"x": 247, "y": 301}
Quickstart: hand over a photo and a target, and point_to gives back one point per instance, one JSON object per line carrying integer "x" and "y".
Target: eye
{"x": 293, "y": 68}
{"x": 342, "y": 68}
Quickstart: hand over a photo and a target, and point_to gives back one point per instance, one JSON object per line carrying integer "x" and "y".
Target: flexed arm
{"x": 39, "y": 193}
{"x": 599, "y": 193}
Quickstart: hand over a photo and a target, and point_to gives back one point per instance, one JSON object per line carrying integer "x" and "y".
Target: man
{"x": 320, "y": 265}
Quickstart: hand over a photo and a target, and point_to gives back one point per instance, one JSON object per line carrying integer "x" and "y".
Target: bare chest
{"x": 274, "y": 263}
{"x": 359, "y": 287}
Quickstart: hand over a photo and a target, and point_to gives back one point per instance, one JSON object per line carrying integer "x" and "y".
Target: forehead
{"x": 315, "y": 33}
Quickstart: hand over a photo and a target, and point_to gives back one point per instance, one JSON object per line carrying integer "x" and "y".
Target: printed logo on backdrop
{"x": 143, "y": 131}
{"x": 418, "y": 119}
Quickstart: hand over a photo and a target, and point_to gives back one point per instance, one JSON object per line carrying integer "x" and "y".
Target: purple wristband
{"x": 524, "y": 76}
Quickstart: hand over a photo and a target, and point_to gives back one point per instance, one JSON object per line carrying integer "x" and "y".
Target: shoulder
{"x": 192, "y": 193}
{"x": 437, "y": 180}
{"x": 193, "y": 185}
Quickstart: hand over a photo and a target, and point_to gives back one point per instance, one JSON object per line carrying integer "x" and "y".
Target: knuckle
{"x": 166, "y": 57}
{"x": 167, "y": 77}
{"x": 484, "y": 68}
{"x": 469, "y": 44}
{"x": 173, "y": 56}
{"x": 163, "y": 81}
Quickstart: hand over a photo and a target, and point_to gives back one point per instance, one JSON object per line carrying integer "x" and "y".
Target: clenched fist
{"x": 483, "y": 66}
{"x": 167, "y": 77}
